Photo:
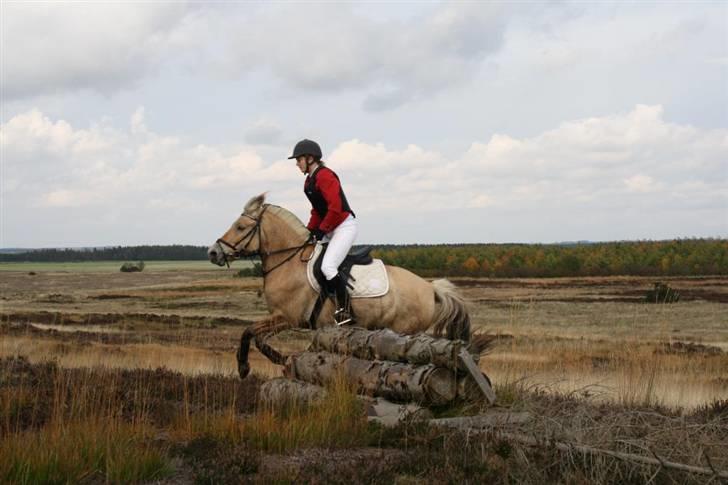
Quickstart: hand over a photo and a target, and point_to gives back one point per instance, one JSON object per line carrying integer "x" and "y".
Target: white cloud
{"x": 107, "y": 47}
{"x": 50, "y": 47}
{"x": 600, "y": 160}
{"x": 607, "y": 163}
{"x": 640, "y": 183}
{"x": 263, "y": 132}
{"x": 328, "y": 48}
{"x": 66, "y": 198}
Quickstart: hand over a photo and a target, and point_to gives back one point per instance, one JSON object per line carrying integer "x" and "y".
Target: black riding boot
{"x": 340, "y": 296}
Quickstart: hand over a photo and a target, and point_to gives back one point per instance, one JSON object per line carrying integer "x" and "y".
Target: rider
{"x": 331, "y": 220}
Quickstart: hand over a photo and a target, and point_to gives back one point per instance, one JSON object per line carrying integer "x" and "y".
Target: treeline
{"x": 118, "y": 253}
{"x": 640, "y": 258}
{"x": 646, "y": 258}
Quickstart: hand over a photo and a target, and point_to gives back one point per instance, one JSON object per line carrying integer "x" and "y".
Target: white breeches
{"x": 340, "y": 241}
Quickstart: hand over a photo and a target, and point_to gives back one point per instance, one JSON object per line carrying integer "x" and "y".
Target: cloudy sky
{"x": 154, "y": 122}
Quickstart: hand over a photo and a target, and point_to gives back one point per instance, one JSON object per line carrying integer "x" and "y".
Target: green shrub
{"x": 132, "y": 267}
{"x": 662, "y": 293}
{"x": 255, "y": 270}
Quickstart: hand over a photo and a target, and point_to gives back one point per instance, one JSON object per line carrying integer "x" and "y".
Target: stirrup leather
{"x": 342, "y": 303}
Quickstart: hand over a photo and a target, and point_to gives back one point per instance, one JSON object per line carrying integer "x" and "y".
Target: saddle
{"x": 357, "y": 256}
{"x": 365, "y": 277}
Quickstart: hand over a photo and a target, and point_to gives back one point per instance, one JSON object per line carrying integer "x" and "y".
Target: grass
{"x": 64, "y": 425}
{"x": 104, "y": 450}
{"x": 337, "y": 421}
{"x": 178, "y": 358}
{"x": 618, "y": 375}
{"x": 68, "y": 425}
{"x": 629, "y": 373}
{"x": 61, "y": 427}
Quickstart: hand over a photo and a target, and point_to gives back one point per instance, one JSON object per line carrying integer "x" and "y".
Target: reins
{"x": 248, "y": 238}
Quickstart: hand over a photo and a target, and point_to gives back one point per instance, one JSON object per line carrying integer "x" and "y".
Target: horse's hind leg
{"x": 260, "y": 331}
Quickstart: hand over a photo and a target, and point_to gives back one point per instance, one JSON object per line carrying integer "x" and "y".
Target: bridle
{"x": 248, "y": 237}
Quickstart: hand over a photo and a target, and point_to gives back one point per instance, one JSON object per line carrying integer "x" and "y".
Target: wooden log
{"x": 417, "y": 350}
{"x": 427, "y": 385}
{"x": 281, "y": 392}
{"x": 489, "y": 420}
{"x": 387, "y": 345}
{"x": 389, "y": 414}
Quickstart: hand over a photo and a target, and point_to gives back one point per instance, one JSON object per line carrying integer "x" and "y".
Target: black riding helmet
{"x": 307, "y": 147}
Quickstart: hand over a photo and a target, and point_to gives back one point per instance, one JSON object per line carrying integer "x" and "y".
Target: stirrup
{"x": 344, "y": 315}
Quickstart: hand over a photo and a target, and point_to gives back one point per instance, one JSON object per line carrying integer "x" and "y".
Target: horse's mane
{"x": 293, "y": 222}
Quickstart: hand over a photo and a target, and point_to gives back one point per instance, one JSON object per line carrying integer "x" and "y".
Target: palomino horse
{"x": 280, "y": 239}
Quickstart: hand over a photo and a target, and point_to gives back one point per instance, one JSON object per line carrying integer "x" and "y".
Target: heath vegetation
{"x": 131, "y": 378}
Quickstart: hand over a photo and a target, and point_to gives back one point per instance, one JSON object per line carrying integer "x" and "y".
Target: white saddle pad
{"x": 370, "y": 281}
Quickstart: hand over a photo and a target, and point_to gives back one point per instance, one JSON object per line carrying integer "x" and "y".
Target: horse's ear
{"x": 255, "y": 203}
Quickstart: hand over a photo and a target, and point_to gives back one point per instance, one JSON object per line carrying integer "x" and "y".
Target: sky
{"x": 460, "y": 122}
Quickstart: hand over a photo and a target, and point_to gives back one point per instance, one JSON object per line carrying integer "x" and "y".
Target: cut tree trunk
{"x": 426, "y": 385}
{"x": 417, "y": 350}
{"x": 281, "y": 392}
{"x": 387, "y": 345}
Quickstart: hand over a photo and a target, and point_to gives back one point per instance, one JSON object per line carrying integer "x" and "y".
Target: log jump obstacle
{"x": 385, "y": 366}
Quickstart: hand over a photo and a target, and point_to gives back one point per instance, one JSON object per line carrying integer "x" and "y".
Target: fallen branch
{"x": 659, "y": 461}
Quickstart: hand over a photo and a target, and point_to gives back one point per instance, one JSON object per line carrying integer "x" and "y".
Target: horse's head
{"x": 243, "y": 237}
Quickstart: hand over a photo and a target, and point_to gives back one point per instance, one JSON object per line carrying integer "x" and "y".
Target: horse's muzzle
{"x": 217, "y": 255}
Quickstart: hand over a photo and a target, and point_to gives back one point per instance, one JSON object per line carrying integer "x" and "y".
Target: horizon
{"x": 445, "y": 121}
{"x": 554, "y": 243}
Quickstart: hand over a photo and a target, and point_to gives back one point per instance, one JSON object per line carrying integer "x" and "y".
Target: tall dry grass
{"x": 60, "y": 425}
{"x": 337, "y": 421}
{"x": 66, "y": 429}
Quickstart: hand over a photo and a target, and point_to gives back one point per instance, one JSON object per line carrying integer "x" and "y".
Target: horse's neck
{"x": 279, "y": 234}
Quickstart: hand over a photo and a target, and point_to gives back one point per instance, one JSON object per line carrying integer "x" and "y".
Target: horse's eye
{"x": 241, "y": 228}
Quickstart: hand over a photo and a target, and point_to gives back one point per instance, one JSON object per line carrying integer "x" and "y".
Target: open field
{"x": 587, "y": 356}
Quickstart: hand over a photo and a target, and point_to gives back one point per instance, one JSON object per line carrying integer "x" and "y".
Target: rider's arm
{"x": 330, "y": 188}
{"x": 314, "y": 221}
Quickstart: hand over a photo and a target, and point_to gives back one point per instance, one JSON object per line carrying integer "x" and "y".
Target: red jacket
{"x": 330, "y": 206}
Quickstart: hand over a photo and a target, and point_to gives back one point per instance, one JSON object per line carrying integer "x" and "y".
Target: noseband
{"x": 248, "y": 238}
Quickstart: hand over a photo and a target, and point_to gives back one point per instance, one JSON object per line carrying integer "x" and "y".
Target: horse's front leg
{"x": 242, "y": 354}
{"x": 260, "y": 331}
{"x": 262, "y": 336}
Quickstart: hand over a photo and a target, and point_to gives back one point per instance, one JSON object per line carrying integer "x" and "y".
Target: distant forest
{"x": 648, "y": 258}
{"x": 119, "y": 253}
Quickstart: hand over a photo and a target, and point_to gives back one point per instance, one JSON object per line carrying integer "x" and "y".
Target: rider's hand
{"x": 318, "y": 234}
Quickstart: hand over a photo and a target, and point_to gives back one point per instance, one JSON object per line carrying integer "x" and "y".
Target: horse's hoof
{"x": 243, "y": 370}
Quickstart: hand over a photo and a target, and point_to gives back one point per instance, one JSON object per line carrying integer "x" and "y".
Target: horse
{"x": 283, "y": 243}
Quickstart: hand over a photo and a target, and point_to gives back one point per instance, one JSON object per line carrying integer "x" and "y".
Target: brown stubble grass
{"x": 177, "y": 358}
{"x": 619, "y": 351}
{"x": 632, "y": 373}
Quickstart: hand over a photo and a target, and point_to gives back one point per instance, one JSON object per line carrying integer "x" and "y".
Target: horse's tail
{"x": 451, "y": 313}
